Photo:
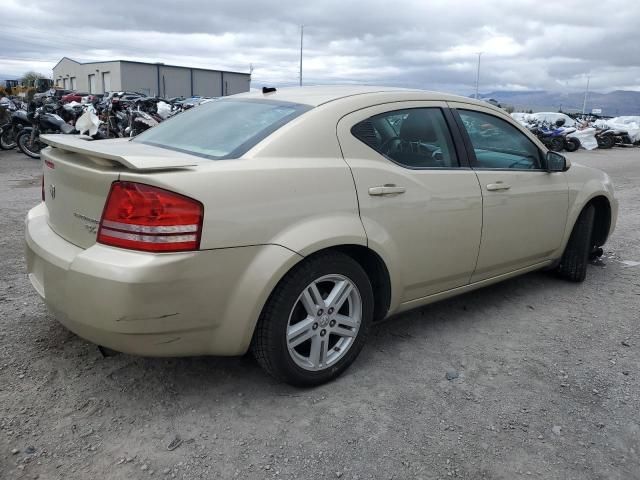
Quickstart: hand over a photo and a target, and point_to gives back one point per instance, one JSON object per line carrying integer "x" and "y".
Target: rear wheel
{"x": 571, "y": 144}
{"x": 573, "y": 264}
{"x": 316, "y": 321}
{"x": 29, "y": 146}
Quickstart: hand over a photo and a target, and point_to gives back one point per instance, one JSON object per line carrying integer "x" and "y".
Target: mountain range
{"x": 615, "y": 103}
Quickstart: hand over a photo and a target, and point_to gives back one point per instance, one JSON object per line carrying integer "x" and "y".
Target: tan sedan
{"x": 288, "y": 222}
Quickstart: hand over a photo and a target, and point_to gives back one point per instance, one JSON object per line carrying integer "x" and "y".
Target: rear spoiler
{"x": 133, "y": 155}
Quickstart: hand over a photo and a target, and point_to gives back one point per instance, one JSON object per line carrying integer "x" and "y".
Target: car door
{"x": 420, "y": 206}
{"x": 524, "y": 206}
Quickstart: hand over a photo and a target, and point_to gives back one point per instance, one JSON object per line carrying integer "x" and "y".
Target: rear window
{"x": 222, "y": 128}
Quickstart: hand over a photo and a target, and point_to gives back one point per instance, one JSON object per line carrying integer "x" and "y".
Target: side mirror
{"x": 557, "y": 162}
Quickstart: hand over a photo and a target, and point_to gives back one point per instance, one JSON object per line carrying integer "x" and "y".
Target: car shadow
{"x": 226, "y": 380}
{"x": 452, "y": 313}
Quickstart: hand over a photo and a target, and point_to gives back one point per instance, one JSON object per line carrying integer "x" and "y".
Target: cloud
{"x": 526, "y": 44}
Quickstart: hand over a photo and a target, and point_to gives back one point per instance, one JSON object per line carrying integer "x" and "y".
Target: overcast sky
{"x": 527, "y": 45}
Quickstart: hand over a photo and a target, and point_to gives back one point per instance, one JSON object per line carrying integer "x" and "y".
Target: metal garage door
{"x": 73, "y": 83}
{"x": 92, "y": 83}
{"x": 65, "y": 83}
{"x": 106, "y": 81}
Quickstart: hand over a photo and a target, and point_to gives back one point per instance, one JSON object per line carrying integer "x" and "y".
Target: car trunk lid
{"x": 78, "y": 175}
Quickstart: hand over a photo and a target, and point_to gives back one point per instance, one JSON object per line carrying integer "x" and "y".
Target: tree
{"x": 29, "y": 78}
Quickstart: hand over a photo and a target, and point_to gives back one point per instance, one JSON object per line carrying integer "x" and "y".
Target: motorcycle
{"x": 42, "y": 122}
{"x": 605, "y": 138}
{"x": 139, "y": 121}
{"x": 142, "y": 116}
{"x": 552, "y": 139}
{"x": 114, "y": 116}
{"x": 9, "y": 131}
{"x": 571, "y": 144}
{"x": 608, "y": 138}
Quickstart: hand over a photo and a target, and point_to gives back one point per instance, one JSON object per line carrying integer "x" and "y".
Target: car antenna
{"x": 266, "y": 90}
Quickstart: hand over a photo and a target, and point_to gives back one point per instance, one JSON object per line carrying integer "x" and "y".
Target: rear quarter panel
{"x": 303, "y": 204}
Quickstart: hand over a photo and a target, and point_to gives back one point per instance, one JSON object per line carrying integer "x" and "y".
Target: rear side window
{"x": 222, "y": 128}
{"x": 413, "y": 138}
{"x": 498, "y": 144}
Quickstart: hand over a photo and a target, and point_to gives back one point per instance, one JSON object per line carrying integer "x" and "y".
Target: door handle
{"x": 498, "y": 186}
{"x": 387, "y": 189}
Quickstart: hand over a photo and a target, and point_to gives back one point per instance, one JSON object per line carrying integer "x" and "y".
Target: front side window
{"x": 413, "y": 138}
{"x": 222, "y": 128}
{"x": 498, "y": 144}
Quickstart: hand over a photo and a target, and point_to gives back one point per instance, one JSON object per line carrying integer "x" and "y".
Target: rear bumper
{"x": 193, "y": 303}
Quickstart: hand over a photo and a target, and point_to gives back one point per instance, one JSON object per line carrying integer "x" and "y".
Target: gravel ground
{"x": 546, "y": 383}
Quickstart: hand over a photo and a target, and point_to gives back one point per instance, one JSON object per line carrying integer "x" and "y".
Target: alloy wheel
{"x": 324, "y": 322}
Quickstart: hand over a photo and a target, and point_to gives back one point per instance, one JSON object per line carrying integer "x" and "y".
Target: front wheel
{"x": 571, "y": 144}
{"x": 7, "y": 138}
{"x": 316, "y": 321}
{"x": 29, "y": 144}
{"x": 573, "y": 264}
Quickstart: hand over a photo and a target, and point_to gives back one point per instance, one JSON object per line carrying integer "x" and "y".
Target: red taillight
{"x": 141, "y": 217}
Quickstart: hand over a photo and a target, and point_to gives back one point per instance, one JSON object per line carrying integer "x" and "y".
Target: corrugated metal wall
{"x": 151, "y": 79}
{"x": 67, "y": 72}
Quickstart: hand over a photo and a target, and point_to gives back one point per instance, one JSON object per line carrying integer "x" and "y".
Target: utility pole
{"x": 586, "y": 94}
{"x": 478, "y": 74}
{"x": 301, "y": 39}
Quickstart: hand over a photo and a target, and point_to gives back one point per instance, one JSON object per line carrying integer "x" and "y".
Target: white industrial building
{"x": 153, "y": 79}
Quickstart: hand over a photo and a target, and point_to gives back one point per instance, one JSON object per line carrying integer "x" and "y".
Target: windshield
{"x": 222, "y": 128}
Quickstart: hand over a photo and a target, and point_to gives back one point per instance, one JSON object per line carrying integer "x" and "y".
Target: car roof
{"x": 321, "y": 94}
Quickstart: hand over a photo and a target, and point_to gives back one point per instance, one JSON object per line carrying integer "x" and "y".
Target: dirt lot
{"x": 547, "y": 383}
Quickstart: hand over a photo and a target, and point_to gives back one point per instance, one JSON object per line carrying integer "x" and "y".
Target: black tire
{"x": 571, "y": 144}
{"x": 23, "y": 144}
{"x": 269, "y": 344}
{"x": 7, "y": 139}
{"x": 606, "y": 141}
{"x": 556, "y": 144}
{"x": 574, "y": 261}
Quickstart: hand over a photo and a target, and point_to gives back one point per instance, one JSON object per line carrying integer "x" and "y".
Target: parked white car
{"x": 288, "y": 222}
